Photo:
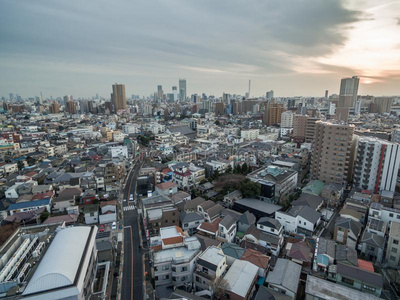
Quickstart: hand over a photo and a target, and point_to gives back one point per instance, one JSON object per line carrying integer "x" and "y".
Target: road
{"x": 132, "y": 277}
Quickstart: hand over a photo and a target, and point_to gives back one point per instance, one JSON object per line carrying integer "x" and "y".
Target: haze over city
{"x": 292, "y": 47}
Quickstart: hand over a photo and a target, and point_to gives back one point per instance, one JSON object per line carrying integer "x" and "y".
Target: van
{"x": 114, "y": 226}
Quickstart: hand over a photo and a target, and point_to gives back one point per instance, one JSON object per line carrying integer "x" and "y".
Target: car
{"x": 131, "y": 198}
{"x": 102, "y": 227}
{"x": 114, "y": 226}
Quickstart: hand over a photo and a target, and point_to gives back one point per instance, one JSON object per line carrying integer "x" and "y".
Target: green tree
{"x": 217, "y": 123}
{"x": 44, "y": 215}
{"x": 250, "y": 189}
{"x": 228, "y": 170}
{"x": 245, "y": 169}
{"x": 238, "y": 169}
{"x": 21, "y": 165}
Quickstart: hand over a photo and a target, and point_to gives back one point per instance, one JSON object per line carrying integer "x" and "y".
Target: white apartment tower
{"x": 376, "y": 165}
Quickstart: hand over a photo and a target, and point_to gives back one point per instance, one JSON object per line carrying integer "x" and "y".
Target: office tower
{"x": 175, "y": 92}
{"x": 383, "y": 105}
{"x": 118, "y": 97}
{"x": 287, "y": 119}
{"x": 299, "y": 127}
{"x": 196, "y": 98}
{"x": 226, "y": 98}
{"x": 376, "y": 165}
{"x": 108, "y": 107}
{"x": 331, "y": 153}
{"x": 291, "y": 103}
{"x": 248, "y": 93}
{"x": 248, "y": 106}
{"x": 272, "y": 114}
{"x": 66, "y": 99}
{"x": 219, "y": 108}
{"x": 55, "y": 107}
{"x": 310, "y": 129}
{"x": 84, "y": 106}
{"x": 19, "y": 98}
{"x": 182, "y": 89}
{"x": 11, "y": 96}
{"x": 160, "y": 92}
{"x": 71, "y": 107}
{"x": 357, "y": 109}
{"x": 332, "y": 108}
{"x": 348, "y": 91}
{"x": 270, "y": 95}
{"x": 326, "y": 94}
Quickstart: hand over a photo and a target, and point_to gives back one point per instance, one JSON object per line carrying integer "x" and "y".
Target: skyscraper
{"x": 270, "y": 95}
{"x": 331, "y": 156}
{"x": 182, "y": 89}
{"x": 160, "y": 92}
{"x": 348, "y": 91}
{"x": 272, "y": 114}
{"x": 175, "y": 92}
{"x": 118, "y": 97}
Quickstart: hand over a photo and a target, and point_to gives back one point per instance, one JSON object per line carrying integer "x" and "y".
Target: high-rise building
{"x": 331, "y": 156}
{"x": 55, "y": 107}
{"x": 66, "y": 99}
{"x": 310, "y": 129}
{"x": 396, "y": 136}
{"x": 219, "y": 108}
{"x": 182, "y": 89}
{"x": 382, "y": 105}
{"x": 71, "y": 107}
{"x": 357, "y": 109}
{"x": 160, "y": 92}
{"x": 287, "y": 119}
{"x": 175, "y": 92}
{"x": 348, "y": 91}
{"x": 326, "y": 94}
{"x": 376, "y": 165}
{"x": 291, "y": 103}
{"x": 299, "y": 127}
{"x": 118, "y": 97}
{"x": 270, "y": 95}
{"x": 272, "y": 114}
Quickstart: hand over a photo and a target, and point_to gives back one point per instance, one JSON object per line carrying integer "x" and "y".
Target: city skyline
{"x": 93, "y": 46}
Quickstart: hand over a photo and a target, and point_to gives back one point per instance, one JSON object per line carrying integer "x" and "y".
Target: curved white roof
{"x": 60, "y": 264}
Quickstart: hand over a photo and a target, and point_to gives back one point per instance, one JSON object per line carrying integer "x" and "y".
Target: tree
{"x": 245, "y": 169}
{"x": 215, "y": 174}
{"x": 250, "y": 189}
{"x": 238, "y": 169}
{"x": 44, "y": 215}
{"x": 217, "y": 123}
{"x": 21, "y": 165}
{"x": 228, "y": 170}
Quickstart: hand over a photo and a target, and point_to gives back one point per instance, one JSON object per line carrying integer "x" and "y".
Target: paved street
{"x": 132, "y": 280}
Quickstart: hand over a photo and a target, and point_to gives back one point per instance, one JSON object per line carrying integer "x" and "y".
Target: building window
{"x": 205, "y": 270}
{"x": 166, "y": 276}
{"x": 369, "y": 288}
{"x": 395, "y": 242}
{"x": 198, "y": 279}
{"x": 184, "y": 269}
{"x": 183, "y": 278}
{"x": 391, "y": 215}
{"x": 394, "y": 250}
{"x": 173, "y": 269}
{"x": 347, "y": 281}
{"x": 156, "y": 278}
{"x": 392, "y": 258}
{"x": 166, "y": 267}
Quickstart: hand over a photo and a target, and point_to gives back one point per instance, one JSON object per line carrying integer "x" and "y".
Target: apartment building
{"x": 272, "y": 114}
{"x": 310, "y": 129}
{"x": 175, "y": 266}
{"x": 287, "y": 119}
{"x": 376, "y": 165}
{"x": 393, "y": 247}
{"x": 331, "y": 159}
{"x": 386, "y": 214}
{"x": 299, "y": 127}
{"x": 250, "y": 134}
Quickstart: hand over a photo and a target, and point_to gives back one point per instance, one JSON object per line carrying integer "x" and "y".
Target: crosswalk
{"x": 130, "y": 207}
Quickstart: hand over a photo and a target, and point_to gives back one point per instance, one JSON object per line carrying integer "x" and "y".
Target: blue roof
{"x": 28, "y": 204}
{"x": 261, "y": 280}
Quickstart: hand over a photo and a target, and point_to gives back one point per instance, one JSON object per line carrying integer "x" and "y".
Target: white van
{"x": 114, "y": 225}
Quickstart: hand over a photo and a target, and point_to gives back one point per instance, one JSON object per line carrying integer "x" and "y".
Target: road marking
{"x": 130, "y": 207}
{"x": 132, "y": 274}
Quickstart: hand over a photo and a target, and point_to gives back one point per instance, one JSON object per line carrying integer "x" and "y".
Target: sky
{"x": 294, "y": 47}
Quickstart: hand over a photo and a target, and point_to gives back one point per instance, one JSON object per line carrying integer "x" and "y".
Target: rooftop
{"x": 240, "y": 277}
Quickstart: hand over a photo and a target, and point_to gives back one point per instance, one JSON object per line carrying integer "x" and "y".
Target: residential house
{"x": 232, "y": 252}
{"x": 299, "y": 219}
{"x": 270, "y": 225}
{"x": 167, "y": 188}
{"x": 66, "y": 198}
{"x": 346, "y": 255}
{"x": 91, "y": 213}
{"x": 189, "y": 205}
{"x": 245, "y": 221}
{"x": 284, "y": 277}
{"x": 227, "y": 229}
{"x": 239, "y": 281}
{"x": 211, "y": 266}
{"x": 259, "y": 259}
{"x": 320, "y": 289}
{"x": 372, "y": 246}
{"x": 356, "y": 278}
{"x": 270, "y": 241}
{"x": 231, "y": 197}
{"x": 208, "y": 229}
{"x": 347, "y": 231}
{"x": 189, "y": 221}
{"x": 209, "y": 210}
{"x": 325, "y": 254}
{"x": 29, "y": 206}
{"x": 299, "y": 252}
{"x": 108, "y": 212}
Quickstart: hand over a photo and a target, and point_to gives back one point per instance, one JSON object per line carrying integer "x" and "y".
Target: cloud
{"x": 132, "y": 40}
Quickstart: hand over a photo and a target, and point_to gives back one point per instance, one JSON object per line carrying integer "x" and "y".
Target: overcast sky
{"x": 295, "y": 47}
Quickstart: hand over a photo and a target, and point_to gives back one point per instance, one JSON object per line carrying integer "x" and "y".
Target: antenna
{"x": 249, "y": 86}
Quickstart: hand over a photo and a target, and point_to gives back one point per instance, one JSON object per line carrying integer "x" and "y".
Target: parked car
{"x": 102, "y": 227}
{"x": 114, "y": 226}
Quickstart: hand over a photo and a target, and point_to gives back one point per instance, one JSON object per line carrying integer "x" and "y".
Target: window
{"x": 397, "y": 216}
{"x": 369, "y": 288}
{"x": 166, "y": 267}
{"x": 173, "y": 269}
{"x": 392, "y": 258}
{"x": 156, "y": 278}
{"x": 261, "y": 226}
{"x": 183, "y": 278}
{"x": 155, "y": 269}
{"x": 394, "y": 250}
{"x": 205, "y": 270}
{"x": 166, "y": 276}
{"x": 391, "y": 215}
{"x": 185, "y": 225}
{"x": 184, "y": 269}
{"x": 198, "y": 279}
{"x": 395, "y": 242}
{"x": 272, "y": 230}
{"x": 347, "y": 280}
